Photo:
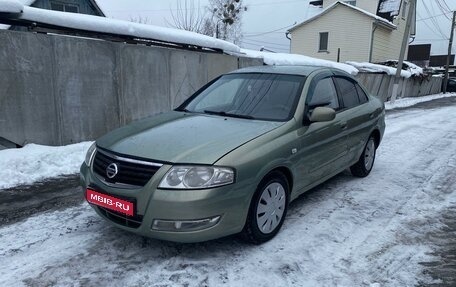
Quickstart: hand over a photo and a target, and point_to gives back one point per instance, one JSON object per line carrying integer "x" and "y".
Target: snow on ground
{"x": 37, "y": 162}
{"x": 346, "y": 232}
{"x": 408, "y": 102}
{"x": 295, "y": 59}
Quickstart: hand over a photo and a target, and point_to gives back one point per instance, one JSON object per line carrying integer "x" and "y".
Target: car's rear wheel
{"x": 267, "y": 209}
{"x": 366, "y": 161}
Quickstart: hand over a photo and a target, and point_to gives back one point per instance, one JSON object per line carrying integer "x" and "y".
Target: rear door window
{"x": 361, "y": 95}
{"x": 347, "y": 92}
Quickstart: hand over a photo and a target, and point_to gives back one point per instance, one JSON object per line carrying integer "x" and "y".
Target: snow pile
{"x": 414, "y": 69}
{"x": 408, "y": 102}
{"x": 11, "y": 6}
{"x": 279, "y": 59}
{"x": 375, "y": 68}
{"x": 119, "y": 27}
{"x": 37, "y": 162}
{"x": 390, "y": 6}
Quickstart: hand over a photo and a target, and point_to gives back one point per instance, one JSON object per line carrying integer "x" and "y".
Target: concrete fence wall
{"x": 381, "y": 85}
{"x": 57, "y": 90}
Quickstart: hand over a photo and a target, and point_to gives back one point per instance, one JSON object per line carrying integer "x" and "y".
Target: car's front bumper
{"x": 230, "y": 202}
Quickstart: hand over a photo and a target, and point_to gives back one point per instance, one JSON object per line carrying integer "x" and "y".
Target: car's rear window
{"x": 254, "y": 95}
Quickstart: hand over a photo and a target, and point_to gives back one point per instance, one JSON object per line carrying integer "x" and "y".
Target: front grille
{"x": 130, "y": 172}
{"x": 122, "y": 219}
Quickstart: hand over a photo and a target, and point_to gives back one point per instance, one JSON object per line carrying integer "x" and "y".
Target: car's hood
{"x": 180, "y": 137}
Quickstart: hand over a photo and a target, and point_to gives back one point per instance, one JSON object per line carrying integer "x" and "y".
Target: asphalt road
{"x": 19, "y": 203}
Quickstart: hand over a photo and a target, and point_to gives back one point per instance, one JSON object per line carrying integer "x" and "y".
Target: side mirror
{"x": 322, "y": 114}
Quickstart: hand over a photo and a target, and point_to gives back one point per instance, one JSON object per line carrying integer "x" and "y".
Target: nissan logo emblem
{"x": 112, "y": 170}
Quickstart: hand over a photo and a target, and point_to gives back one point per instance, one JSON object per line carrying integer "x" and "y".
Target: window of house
{"x": 353, "y": 3}
{"x": 323, "y": 41}
{"x": 348, "y": 93}
{"x": 324, "y": 95}
{"x": 64, "y": 7}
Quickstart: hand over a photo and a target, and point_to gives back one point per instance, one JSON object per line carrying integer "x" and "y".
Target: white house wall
{"x": 353, "y": 42}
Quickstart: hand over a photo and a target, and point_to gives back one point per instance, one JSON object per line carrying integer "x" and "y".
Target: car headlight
{"x": 197, "y": 177}
{"x": 90, "y": 153}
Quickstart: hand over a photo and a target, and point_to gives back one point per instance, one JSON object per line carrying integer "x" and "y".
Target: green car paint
{"x": 306, "y": 153}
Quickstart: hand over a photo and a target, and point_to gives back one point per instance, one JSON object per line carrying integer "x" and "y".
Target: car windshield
{"x": 254, "y": 96}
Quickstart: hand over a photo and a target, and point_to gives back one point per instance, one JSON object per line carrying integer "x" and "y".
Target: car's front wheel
{"x": 366, "y": 161}
{"x": 267, "y": 209}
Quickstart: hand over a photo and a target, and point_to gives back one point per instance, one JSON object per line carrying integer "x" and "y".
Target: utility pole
{"x": 450, "y": 46}
{"x": 405, "y": 42}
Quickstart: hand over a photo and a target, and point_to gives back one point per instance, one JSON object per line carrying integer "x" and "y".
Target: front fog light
{"x": 184, "y": 225}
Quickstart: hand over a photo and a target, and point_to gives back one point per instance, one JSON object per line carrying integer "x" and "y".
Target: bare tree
{"x": 221, "y": 19}
{"x": 228, "y": 16}
{"x": 190, "y": 18}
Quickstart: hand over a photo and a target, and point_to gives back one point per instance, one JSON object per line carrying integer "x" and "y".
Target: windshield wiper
{"x": 182, "y": 110}
{"x": 225, "y": 114}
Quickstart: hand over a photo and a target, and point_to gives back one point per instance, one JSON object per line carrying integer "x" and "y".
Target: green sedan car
{"x": 233, "y": 156}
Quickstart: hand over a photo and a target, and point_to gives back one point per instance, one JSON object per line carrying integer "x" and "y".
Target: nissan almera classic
{"x": 234, "y": 155}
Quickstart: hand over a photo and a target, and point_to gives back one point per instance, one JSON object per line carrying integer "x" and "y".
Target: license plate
{"x": 110, "y": 202}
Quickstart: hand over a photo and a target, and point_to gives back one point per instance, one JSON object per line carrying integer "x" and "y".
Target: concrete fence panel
{"x": 58, "y": 90}
{"x": 381, "y": 85}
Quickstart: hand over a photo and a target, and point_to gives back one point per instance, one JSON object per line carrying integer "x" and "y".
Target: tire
{"x": 271, "y": 197}
{"x": 366, "y": 161}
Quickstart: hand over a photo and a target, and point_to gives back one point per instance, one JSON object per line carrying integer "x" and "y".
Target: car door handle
{"x": 371, "y": 116}
{"x": 343, "y": 126}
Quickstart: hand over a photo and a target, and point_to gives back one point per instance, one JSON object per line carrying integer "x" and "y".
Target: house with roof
{"x": 89, "y": 7}
{"x": 358, "y": 30}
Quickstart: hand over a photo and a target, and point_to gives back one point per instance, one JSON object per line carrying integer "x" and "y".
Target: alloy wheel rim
{"x": 369, "y": 154}
{"x": 271, "y": 207}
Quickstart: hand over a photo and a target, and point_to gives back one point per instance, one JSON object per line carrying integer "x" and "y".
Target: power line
{"x": 430, "y": 28}
{"x": 443, "y": 9}
{"x": 255, "y": 42}
{"x": 433, "y": 20}
{"x": 264, "y": 33}
{"x": 199, "y": 7}
{"x": 435, "y": 16}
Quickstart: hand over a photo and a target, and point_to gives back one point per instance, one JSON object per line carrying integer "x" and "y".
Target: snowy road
{"x": 376, "y": 231}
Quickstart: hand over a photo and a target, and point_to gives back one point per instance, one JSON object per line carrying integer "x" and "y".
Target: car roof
{"x": 290, "y": 70}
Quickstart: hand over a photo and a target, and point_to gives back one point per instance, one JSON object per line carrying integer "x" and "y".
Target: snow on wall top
{"x": 118, "y": 27}
{"x": 279, "y": 59}
{"x": 412, "y": 69}
{"x": 11, "y": 6}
